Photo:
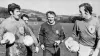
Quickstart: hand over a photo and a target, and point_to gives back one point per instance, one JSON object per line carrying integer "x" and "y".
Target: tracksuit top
{"x": 49, "y": 33}
{"x": 87, "y": 32}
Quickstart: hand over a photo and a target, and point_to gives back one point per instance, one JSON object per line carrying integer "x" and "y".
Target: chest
{"x": 89, "y": 27}
{"x": 55, "y": 29}
{"x": 13, "y": 26}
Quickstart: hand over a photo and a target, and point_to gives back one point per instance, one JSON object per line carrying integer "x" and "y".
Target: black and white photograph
{"x": 49, "y": 27}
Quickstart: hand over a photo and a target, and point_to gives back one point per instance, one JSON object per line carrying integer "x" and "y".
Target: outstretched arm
{"x": 27, "y": 29}
{"x": 2, "y": 30}
{"x": 97, "y": 48}
{"x": 41, "y": 35}
{"x": 75, "y": 31}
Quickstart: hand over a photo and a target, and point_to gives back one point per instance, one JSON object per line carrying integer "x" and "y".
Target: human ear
{"x": 11, "y": 12}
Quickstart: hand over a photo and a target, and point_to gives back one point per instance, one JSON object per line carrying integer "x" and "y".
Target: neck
{"x": 14, "y": 18}
{"x": 51, "y": 23}
{"x": 88, "y": 18}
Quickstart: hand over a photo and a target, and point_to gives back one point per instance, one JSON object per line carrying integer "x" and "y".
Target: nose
{"x": 50, "y": 19}
{"x": 19, "y": 13}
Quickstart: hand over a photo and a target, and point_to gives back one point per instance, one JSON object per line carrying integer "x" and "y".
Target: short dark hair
{"x": 24, "y": 15}
{"x": 12, "y": 7}
{"x": 51, "y": 12}
{"x": 87, "y": 6}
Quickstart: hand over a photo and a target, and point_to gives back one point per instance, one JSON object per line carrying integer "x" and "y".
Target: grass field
{"x": 64, "y": 51}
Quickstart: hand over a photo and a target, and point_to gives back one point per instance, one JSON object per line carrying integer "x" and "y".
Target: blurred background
{"x": 67, "y": 13}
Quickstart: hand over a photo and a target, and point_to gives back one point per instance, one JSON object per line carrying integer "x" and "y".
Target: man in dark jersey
{"x": 30, "y": 49}
{"x": 87, "y": 32}
{"x": 18, "y": 27}
{"x": 51, "y": 35}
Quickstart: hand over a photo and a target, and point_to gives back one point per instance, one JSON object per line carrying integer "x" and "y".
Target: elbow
{"x": 98, "y": 45}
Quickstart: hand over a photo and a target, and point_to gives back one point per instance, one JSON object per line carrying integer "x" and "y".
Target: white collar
{"x": 52, "y": 23}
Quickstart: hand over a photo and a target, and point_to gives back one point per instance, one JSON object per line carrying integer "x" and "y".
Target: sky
{"x": 60, "y": 7}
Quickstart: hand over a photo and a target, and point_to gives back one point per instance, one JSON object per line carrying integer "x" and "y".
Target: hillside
{"x": 3, "y": 12}
{"x": 39, "y": 16}
{"x": 32, "y": 14}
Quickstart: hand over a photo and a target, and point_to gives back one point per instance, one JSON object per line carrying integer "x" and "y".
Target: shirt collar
{"x": 52, "y": 23}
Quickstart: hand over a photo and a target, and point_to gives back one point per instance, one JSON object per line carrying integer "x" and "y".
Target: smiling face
{"x": 82, "y": 11}
{"x": 15, "y": 13}
{"x": 50, "y": 18}
{"x": 25, "y": 19}
{"x": 84, "y": 14}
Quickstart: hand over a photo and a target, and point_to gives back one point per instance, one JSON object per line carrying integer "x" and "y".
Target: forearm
{"x": 35, "y": 41}
{"x": 62, "y": 34}
{"x": 2, "y": 30}
{"x": 62, "y": 37}
{"x": 75, "y": 37}
{"x": 33, "y": 36}
{"x": 41, "y": 36}
{"x": 98, "y": 45}
{"x": 96, "y": 50}
{"x": 41, "y": 40}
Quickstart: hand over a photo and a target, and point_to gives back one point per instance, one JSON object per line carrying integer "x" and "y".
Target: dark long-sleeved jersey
{"x": 49, "y": 33}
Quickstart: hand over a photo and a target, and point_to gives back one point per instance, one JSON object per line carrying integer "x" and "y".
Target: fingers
{"x": 42, "y": 46}
{"x": 37, "y": 49}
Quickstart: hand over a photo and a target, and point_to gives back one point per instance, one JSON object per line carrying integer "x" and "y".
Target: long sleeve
{"x": 62, "y": 34}
{"x": 75, "y": 31}
{"x": 98, "y": 30}
{"x": 98, "y": 34}
{"x": 2, "y": 30}
{"x": 41, "y": 35}
{"x": 27, "y": 29}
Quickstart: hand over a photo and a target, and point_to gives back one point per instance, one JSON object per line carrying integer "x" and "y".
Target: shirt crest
{"x": 91, "y": 29}
{"x": 57, "y": 32}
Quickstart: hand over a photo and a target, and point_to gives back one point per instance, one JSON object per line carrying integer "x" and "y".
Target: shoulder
{"x": 57, "y": 24}
{"x": 78, "y": 22}
{"x": 22, "y": 22}
{"x": 5, "y": 21}
{"x": 44, "y": 24}
{"x": 1, "y": 20}
{"x": 96, "y": 20}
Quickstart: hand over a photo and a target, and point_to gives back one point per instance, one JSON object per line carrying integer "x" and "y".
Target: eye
{"x": 48, "y": 17}
{"x": 80, "y": 11}
{"x": 86, "y": 13}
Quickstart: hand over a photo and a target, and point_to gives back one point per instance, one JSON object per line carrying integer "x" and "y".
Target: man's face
{"x": 50, "y": 18}
{"x": 16, "y": 13}
{"x": 83, "y": 12}
{"x": 25, "y": 19}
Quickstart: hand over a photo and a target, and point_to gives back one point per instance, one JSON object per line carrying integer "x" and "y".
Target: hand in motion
{"x": 42, "y": 46}
{"x": 57, "y": 42}
{"x": 37, "y": 49}
{"x": 95, "y": 53}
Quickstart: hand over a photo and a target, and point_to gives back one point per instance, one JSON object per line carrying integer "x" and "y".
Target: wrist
{"x": 42, "y": 44}
{"x": 97, "y": 49}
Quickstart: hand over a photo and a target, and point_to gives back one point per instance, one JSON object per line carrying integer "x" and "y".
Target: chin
{"x": 16, "y": 17}
{"x": 51, "y": 22}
